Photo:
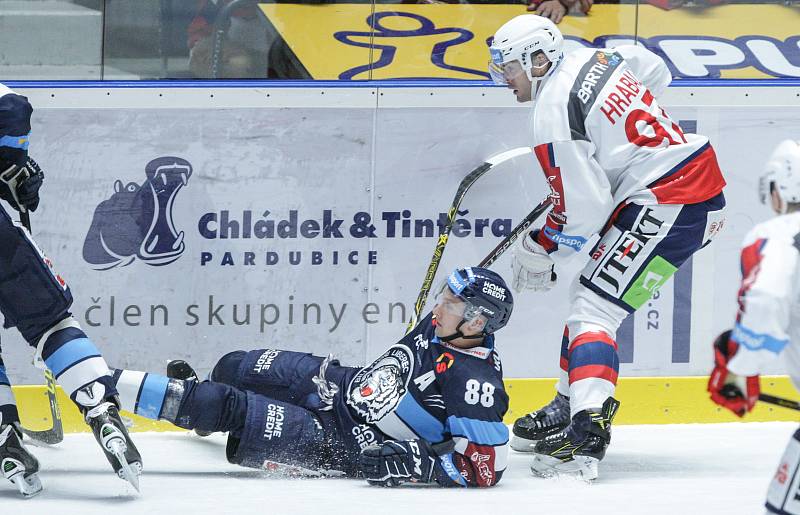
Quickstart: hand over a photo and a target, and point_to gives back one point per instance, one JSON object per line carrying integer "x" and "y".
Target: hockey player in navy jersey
{"x": 620, "y": 168}
{"x": 428, "y": 410}
{"x": 35, "y": 300}
{"x": 768, "y": 320}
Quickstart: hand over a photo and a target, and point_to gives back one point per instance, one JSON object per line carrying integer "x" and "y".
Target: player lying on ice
{"x": 429, "y": 409}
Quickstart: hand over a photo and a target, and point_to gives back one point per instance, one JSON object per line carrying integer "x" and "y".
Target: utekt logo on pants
{"x": 136, "y": 224}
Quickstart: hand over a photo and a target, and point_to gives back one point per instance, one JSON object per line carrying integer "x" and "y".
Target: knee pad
{"x": 280, "y": 432}
{"x": 226, "y": 370}
{"x": 784, "y": 489}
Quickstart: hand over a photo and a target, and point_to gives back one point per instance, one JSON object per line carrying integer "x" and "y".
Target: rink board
{"x": 645, "y": 400}
{"x": 326, "y": 165}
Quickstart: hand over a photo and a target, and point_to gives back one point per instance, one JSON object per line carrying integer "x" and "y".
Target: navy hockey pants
{"x": 268, "y": 402}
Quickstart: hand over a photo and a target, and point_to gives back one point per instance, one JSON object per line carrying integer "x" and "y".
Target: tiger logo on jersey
{"x": 376, "y": 390}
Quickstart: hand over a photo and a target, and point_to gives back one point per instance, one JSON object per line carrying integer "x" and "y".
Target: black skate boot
{"x": 578, "y": 449}
{"x": 111, "y": 434}
{"x": 179, "y": 369}
{"x": 18, "y": 465}
{"x": 543, "y": 422}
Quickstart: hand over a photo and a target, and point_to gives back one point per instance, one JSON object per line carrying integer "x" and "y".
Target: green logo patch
{"x": 653, "y": 277}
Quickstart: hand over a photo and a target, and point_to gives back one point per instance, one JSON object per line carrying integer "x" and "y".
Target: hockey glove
{"x": 737, "y": 393}
{"x": 393, "y": 463}
{"x": 533, "y": 268}
{"x": 19, "y": 185}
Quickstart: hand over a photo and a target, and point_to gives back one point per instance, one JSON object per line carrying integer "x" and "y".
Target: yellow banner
{"x": 448, "y": 41}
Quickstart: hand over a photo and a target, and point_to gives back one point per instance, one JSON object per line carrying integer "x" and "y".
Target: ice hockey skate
{"x": 576, "y": 451}
{"x": 111, "y": 434}
{"x": 18, "y": 465}
{"x": 548, "y": 420}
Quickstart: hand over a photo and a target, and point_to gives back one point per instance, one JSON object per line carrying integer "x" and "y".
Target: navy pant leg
{"x": 33, "y": 297}
{"x": 284, "y": 433}
{"x": 281, "y": 375}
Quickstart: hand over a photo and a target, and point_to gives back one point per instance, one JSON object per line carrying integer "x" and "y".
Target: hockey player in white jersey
{"x": 619, "y": 167}
{"x": 768, "y": 320}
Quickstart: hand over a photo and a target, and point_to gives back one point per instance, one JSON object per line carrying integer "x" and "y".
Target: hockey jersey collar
{"x": 482, "y": 352}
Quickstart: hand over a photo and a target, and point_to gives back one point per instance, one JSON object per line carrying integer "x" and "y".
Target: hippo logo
{"x": 136, "y": 222}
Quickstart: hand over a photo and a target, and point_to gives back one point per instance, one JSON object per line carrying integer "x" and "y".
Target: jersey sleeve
{"x": 476, "y": 405}
{"x": 580, "y": 194}
{"x": 761, "y": 330}
{"x": 15, "y": 126}
{"x": 647, "y": 66}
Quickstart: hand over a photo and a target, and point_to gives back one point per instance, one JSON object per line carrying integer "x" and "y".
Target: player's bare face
{"x": 517, "y": 80}
{"x": 449, "y": 311}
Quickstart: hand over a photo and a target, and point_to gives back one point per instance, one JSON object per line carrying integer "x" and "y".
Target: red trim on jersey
{"x": 592, "y": 336}
{"x": 751, "y": 265}
{"x": 564, "y": 363}
{"x": 612, "y": 218}
{"x": 596, "y": 371}
{"x": 696, "y": 181}
{"x": 552, "y": 174}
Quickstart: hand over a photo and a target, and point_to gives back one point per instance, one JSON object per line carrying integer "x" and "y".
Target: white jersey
{"x": 603, "y": 140}
{"x": 768, "y": 321}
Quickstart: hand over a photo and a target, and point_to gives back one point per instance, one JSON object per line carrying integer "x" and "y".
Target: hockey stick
{"x": 463, "y": 187}
{"x": 518, "y": 230}
{"x": 55, "y": 434}
{"x": 779, "y": 401}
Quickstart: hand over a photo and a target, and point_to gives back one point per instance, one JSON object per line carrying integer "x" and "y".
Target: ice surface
{"x": 675, "y": 469}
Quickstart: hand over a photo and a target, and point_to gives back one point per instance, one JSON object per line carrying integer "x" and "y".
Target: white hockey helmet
{"x": 782, "y": 172}
{"x": 519, "y": 39}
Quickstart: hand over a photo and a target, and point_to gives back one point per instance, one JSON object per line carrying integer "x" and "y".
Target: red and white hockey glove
{"x": 737, "y": 393}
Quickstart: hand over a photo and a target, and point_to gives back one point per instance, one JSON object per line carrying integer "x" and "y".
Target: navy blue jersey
{"x": 422, "y": 387}
{"x": 15, "y": 127}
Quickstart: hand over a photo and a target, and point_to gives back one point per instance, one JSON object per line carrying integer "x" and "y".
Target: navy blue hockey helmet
{"x": 485, "y": 293}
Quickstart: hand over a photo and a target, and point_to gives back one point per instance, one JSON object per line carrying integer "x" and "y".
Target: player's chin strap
{"x": 459, "y": 334}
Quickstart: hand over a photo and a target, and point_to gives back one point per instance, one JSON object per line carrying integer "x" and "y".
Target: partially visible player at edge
{"x": 428, "y": 410}
{"x": 619, "y": 167}
{"x": 36, "y": 300}
{"x": 768, "y": 319}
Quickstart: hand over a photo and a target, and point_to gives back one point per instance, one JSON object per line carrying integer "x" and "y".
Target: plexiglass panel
{"x": 51, "y": 39}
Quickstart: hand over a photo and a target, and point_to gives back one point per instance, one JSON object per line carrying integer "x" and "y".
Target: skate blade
{"x": 28, "y": 486}
{"x": 126, "y": 470}
{"x": 128, "y": 473}
{"x": 581, "y": 467}
{"x": 520, "y": 444}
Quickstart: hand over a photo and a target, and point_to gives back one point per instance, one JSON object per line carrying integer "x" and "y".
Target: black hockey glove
{"x": 19, "y": 185}
{"x": 393, "y": 463}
